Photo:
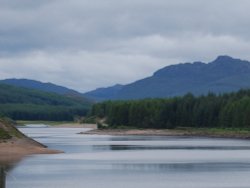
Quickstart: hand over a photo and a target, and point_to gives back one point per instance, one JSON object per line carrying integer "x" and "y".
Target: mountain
{"x": 101, "y": 94}
{"x": 30, "y": 104}
{"x": 224, "y": 74}
{"x": 32, "y": 84}
{"x": 46, "y": 87}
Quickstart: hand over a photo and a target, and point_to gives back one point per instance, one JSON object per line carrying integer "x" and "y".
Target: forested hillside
{"x": 228, "y": 110}
{"x": 28, "y": 104}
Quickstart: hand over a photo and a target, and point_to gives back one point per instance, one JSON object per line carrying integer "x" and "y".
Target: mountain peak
{"x": 224, "y": 74}
{"x": 225, "y": 59}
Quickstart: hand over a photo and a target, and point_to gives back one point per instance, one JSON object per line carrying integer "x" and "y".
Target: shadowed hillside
{"x": 28, "y": 104}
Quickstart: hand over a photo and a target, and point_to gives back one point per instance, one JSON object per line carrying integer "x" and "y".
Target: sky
{"x": 87, "y": 44}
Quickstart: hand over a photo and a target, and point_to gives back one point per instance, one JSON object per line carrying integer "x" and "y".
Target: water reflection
{"x": 132, "y": 161}
{"x": 183, "y": 167}
{"x": 139, "y": 147}
{"x": 4, "y": 170}
{"x": 2, "y": 176}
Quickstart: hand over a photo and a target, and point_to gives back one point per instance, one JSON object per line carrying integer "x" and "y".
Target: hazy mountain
{"x": 32, "y": 84}
{"x": 101, "y": 94}
{"x": 224, "y": 74}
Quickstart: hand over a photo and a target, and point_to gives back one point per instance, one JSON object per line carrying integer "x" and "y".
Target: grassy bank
{"x": 4, "y": 134}
{"x": 14, "y": 145}
{"x": 8, "y": 130}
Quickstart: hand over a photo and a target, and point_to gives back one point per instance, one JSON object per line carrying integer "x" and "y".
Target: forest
{"x": 226, "y": 111}
{"x": 27, "y": 104}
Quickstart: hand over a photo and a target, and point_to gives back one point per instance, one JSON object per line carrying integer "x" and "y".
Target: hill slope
{"x": 101, "y": 94}
{"x": 32, "y": 84}
{"x": 225, "y": 74}
{"x": 28, "y": 104}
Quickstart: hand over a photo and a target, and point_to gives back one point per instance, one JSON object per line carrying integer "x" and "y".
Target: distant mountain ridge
{"x": 33, "y": 84}
{"x": 224, "y": 74}
{"x": 107, "y": 93}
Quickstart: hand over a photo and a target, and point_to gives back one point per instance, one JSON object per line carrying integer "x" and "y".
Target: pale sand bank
{"x": 14, "y": 149}
{"x": 170, "y": 132}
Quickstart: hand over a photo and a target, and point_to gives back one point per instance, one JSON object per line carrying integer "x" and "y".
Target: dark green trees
{"x": 228, "y": 110}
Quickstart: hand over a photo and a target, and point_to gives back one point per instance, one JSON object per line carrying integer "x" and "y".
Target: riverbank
{"x": 198, "y": 132}
{"x": 14, "y": 145}
{"x": 14, "y": 149}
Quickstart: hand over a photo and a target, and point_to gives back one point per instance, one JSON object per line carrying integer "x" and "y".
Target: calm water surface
{"x": 93, "y": 161}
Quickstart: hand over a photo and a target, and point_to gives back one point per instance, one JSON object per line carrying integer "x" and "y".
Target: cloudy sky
{"x": 84, "y": 44}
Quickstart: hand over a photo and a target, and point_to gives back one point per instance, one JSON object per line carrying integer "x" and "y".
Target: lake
{"x": 94, "y": 161}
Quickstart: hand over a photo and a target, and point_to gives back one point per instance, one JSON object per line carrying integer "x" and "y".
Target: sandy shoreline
{"x": 15, "y": 149}
{"x": 12, "y": 150}
{"x": 168, "y": 132}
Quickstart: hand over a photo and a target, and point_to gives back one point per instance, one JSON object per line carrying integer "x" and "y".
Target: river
{"x": 94, "y": 161}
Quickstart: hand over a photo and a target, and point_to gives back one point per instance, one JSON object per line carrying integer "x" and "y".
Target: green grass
{"x": 4, "y": 134}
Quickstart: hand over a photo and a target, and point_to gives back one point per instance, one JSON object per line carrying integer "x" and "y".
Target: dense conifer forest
{"x": 28, "y": 104}
{"x": 225, "y": 111}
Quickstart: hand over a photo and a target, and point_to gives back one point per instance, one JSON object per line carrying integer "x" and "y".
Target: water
{"x": 93, "y": 161}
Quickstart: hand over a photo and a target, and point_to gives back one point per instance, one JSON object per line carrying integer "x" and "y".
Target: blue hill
{"x": 224, "y": 74}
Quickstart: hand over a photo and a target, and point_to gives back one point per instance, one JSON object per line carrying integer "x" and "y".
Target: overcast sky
{"x": 85, "y": 44}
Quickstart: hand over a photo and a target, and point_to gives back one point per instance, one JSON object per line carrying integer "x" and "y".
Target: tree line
{"x": 42, "y": 112}
{"x": 226, "y": 110}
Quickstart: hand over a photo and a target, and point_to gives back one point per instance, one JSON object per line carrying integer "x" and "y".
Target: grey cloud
{"x": 82, "y": 24}
{"x": 79, "y": 70}
{"x": 86, "y": 44}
